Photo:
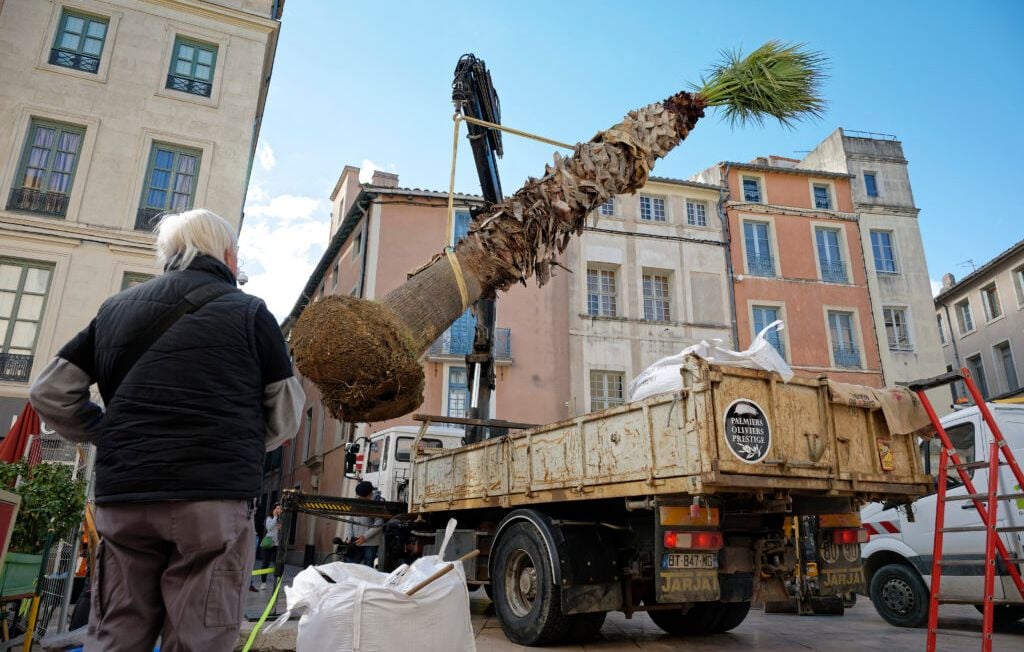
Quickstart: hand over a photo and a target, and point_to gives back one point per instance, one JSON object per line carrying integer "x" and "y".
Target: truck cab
{"x": 897, "y": 557}
{"x": 389, "y": 452}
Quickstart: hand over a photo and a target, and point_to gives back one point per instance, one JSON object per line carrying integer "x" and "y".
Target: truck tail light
{"x": 849, "y": 535}
{"x": 693, "y": 540}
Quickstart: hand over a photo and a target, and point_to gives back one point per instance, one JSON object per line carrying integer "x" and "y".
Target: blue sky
{"x": 355, "y": 84}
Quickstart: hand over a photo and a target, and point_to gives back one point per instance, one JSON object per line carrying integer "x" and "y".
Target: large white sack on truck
{"x": 665, "y": 374}
{"x": 368, "y": 611}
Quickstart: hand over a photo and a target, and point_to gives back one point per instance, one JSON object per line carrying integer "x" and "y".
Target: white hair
{"x": 181, "y": 237}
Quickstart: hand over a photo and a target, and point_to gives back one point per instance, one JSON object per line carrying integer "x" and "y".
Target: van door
{"x": 966, "y": 578}
{"x": 1011, "y": 424}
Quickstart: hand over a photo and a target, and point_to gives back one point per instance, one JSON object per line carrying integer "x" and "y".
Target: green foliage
{"x": 779, "y": 80}
{"x": 49, "y": 498}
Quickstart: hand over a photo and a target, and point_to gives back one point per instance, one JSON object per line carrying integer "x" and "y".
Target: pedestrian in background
{"x": 197, "y": 385}
{"x": 363, "y": 532}
{"x": 269, "y": 543}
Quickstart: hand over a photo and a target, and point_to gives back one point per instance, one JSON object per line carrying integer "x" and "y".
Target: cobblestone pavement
{"x": 860, "y": 630}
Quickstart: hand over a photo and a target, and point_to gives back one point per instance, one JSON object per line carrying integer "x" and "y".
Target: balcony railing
{"x": 846, "y": 356}
{"x": 15, "y": 367}
{"x": 146, "y": 218}
{"x": 75, "y": 60}
{"x": 38, "y": 201}
{"x": 834, "y": 272}
{"x": 761, "y": 265}
{"x": 187, "y": 85}
{"x": 446, "y": 345}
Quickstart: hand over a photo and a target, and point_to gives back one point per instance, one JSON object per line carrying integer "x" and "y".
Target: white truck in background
{"x": 898, "y": 555}
{"x": 388, "y": 456}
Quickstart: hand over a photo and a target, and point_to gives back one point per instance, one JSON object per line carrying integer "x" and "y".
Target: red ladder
{"x": 988, "y": 510}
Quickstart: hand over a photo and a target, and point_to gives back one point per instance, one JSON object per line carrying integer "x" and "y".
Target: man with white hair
{"x": 197, "y": 383}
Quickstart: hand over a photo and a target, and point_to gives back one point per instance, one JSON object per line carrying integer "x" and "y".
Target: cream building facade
{"x": 112, "y": 112}
{"x": 897, "y": 272}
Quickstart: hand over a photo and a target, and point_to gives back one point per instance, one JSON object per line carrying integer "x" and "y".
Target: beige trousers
{"x": 176, "y": 569}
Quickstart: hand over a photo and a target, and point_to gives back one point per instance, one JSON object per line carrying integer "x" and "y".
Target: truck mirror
{"x": 350, "y": 458}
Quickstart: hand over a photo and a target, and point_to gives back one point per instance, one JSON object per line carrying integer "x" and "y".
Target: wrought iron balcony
{"x": 834, "y": 272}
{"x": 75, "y": 60}
{"x": 458, "y": 346}
{"x": 188, "y": 85}
{"x": 15, "y": 367}
{"x": 846, "y": 356}
{"x": 38, "y": 201}
{"x": 824, "y": 203}
{"x": 760, "y": 265}
{"x": 147, "y": 218}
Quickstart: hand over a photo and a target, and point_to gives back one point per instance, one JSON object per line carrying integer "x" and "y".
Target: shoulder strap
{"x": 135, "y": 349}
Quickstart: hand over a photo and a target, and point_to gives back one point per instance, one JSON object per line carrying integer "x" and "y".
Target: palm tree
{"x": 364, "y": 355}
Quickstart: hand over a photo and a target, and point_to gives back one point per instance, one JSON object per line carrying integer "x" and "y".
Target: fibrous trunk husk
{"x": 365, "y": 360}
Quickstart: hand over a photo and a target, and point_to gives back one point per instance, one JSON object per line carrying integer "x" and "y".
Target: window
{"x": 963, "y": 317}
{"x": 607, "y": 209}
{"x": 977, "y": 369}
{"x": 870, "y": 186}
{"x": 656, "y": 298}
{"x": 373, "y": 455}
{"x": 764, "y": 315}
{"x": 652, "y": 209}
{"x": 844, "y": 346}
{"x": 822, "y": 198}
{"x": 458, "y": 391}
{"x": 605, "y": 389}
{"x": 752, "y": 190}
{"x": 192, "y": 67}
{"x": 170, "y": 183}
{"x": 830, "y": 256}
{"x": 460, "y": 227}
{"x": 990, "y": 301}
{"x": 321, "y": 418}
{"x": 307, "y": 429}
{"x": 696, "y": 213}
{"x": 23, "y": 289}
{"x": 79, "y": 42}
{"x": 131, "y": 279}
{"x": 897, "y": 330}
{"x": 601, "y": 293}
{"x": 882, "y": 248}
{"x": 942, "y": 329}
{"x": 1018, "y": 284}
{"x": 759, "y": 249}
{"x": 403, "y": 447}
{"x": 47, "y": 170}
{"x": 1004, "y": 362}
{"x": 334, "y": 276}
{"x": 357, "y": 246}
{"x": 962, "y": 438}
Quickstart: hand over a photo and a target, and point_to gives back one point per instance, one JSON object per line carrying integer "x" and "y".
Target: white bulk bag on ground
{"x": 368, "y": 611}
{"x": 664, "y": 375}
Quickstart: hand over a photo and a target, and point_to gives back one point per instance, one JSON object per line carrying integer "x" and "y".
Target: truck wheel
{"x": 489, "y": 590}
{"x": 732, "y": 614}
{"x": 584, "y": 627}
{"x": 678, "y": 623}
{"x": 1004, "y": 614}
{"x": 702, "y": 618}
{"x": 526, "y": 599}
{"x": 899, "y": 595}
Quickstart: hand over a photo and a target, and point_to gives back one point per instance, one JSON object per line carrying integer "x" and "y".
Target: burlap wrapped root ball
{"x": 360, "y": 358}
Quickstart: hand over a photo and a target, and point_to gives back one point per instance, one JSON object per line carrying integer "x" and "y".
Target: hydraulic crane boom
{"x": 474, "y": 96}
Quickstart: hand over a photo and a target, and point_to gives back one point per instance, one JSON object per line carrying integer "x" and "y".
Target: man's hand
{"x": 360, "y": 540}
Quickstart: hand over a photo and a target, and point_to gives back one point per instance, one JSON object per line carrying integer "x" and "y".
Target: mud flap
{"x": 839, "y": 568}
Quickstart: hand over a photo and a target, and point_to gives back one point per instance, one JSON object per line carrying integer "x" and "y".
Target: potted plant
{"x": 50, "y": 499}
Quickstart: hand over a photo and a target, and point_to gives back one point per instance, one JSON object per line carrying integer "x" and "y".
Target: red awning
{"x": 13, "y": 446}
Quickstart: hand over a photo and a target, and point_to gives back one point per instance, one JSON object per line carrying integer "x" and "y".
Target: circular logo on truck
{"x": 747, "y": 431}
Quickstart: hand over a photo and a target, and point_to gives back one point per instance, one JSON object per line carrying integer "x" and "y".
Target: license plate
{"x": 678, "y": 560}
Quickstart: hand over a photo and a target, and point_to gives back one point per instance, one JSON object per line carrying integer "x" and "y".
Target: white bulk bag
{"x": 664, "y": 375}
{"x": 368, "y": 611}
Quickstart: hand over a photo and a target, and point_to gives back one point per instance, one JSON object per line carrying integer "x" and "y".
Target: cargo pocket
{"x": 224, "y": 599}
{"x": 108, "y": 582}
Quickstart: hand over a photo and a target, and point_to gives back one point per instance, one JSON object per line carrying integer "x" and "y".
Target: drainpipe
{"x": 723, "y": 197}
{"x": 366, "y": 247}
{"x": 871, "y": 305}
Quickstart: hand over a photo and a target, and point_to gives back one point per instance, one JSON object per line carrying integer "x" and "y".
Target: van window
{"x": 962, "y": 437}
{"x": 403, "y": 447}
{"x": 384, "y": 455}
{"x": 373, "y": 457}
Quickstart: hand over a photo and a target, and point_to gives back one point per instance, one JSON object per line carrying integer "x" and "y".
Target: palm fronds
{"x": 778, "y": 80}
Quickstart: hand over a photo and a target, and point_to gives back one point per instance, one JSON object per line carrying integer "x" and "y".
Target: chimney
{"x": 948, "y": 281}
{"x": 384, "y": 179}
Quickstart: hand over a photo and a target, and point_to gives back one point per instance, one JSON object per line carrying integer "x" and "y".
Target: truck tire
{"x": 526, "y": 599}
{"x": 584, "y": 627}
{"x": 1004, "y": 614}
{"x": 899, "y": 595}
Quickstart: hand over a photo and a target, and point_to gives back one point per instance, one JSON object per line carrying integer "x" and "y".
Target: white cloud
{"x": 936, "y": 287}
{"x": 266, "y": 157}
{"x": 367, "y": 169}
{"x": 281, "y": 241}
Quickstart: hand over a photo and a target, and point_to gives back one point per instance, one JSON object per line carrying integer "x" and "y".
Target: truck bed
{"x": 800, "y": 443}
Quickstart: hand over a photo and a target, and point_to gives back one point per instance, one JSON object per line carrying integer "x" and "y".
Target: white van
{"x": 389, "y": 452}
{"x": 898, "y": 554}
